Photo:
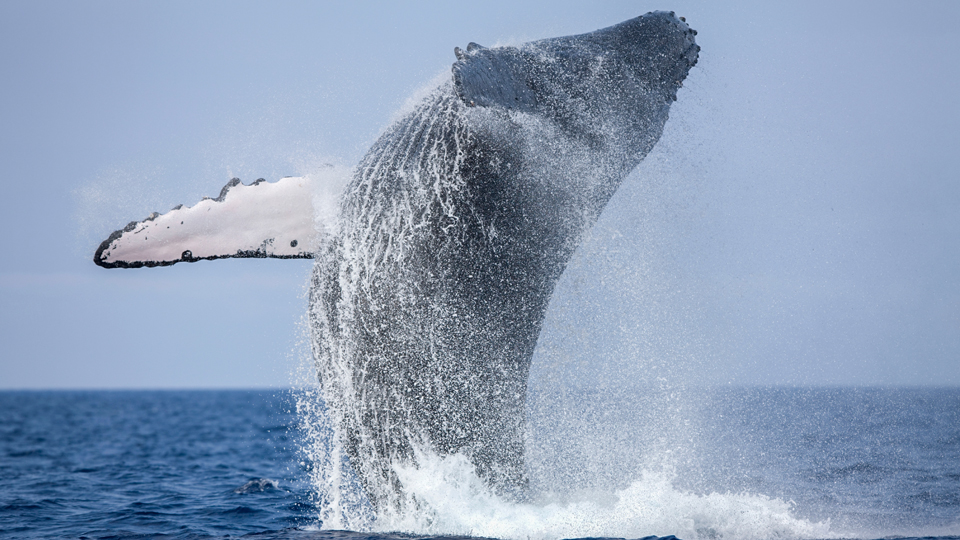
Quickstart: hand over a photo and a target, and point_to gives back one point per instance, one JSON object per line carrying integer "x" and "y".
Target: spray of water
{"x": 411, "y": 428}
{"x": 444, "y": 496}
{"x": 594, "y": 468}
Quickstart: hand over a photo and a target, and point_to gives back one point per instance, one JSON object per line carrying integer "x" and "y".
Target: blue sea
{"x": 750, "y": 463}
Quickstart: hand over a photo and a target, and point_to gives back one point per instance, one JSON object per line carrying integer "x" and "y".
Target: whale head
{"x": 611, "y": 88}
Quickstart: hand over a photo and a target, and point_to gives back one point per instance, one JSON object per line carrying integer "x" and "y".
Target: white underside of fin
{"x": 263, "y": 219}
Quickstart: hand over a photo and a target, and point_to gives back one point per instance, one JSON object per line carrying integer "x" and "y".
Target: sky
{"x": 797, "y": 224}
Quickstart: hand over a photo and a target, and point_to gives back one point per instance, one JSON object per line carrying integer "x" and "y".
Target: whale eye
{"x": 293, "y": 243}
{"x": 186, "y": 255}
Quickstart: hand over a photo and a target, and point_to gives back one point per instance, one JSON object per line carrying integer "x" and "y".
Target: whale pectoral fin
{"x": 492, "y": 78}
{"x": 263, "y": 219}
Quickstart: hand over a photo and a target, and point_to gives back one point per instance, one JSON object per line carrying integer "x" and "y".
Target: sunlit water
{"x": 748, "y": 463}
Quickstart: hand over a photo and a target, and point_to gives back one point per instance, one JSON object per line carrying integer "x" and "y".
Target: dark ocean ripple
{"x": 226, "y": 464}
{"x": 123, "y": 464}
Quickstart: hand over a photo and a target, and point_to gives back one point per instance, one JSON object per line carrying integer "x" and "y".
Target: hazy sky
{"x": 799, "y": 222}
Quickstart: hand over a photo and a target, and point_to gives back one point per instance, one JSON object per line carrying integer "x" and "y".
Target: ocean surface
{"x": 748, "y": 463}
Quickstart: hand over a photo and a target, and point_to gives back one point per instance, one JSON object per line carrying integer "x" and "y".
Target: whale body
{"x": 428, "y": 295}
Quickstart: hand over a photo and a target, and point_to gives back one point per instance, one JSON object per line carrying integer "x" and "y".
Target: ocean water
{"x": 730, "y": 463}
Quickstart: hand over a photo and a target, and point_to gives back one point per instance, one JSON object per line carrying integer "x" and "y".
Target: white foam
{"x": 443, "y": 496}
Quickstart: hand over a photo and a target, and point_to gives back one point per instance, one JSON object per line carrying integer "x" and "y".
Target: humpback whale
{"x": 429, "y": 291}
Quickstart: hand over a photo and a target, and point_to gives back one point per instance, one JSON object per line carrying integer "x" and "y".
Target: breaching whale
{"x": 428, "y": 294}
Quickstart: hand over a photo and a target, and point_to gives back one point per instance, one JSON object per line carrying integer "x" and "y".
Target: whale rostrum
{"x": 429, "y": 291}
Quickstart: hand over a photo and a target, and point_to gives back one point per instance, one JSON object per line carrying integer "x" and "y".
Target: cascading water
{"x": 429, "y": 294}
{"x": 598, "y": 463}
{"x": 427, "y": 300}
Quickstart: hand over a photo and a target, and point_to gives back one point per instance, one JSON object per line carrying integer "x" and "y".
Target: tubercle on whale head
{"x": 659, "y": 47}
